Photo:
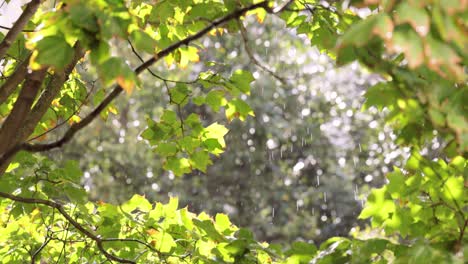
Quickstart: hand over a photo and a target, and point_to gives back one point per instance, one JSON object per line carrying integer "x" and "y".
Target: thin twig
{"x": 252, "y": 56}
{"x": 153, "y": 73}
{"x": 118, "y": 89}
{"x": 23, "y": 30}
{"x": 13, "y": 81}
{"x": 61, "y": 209}
{"x": 18, "y": 26}
{"x": 130, "y": 240}
{"x": 78, "y": 109}
{"x": 44, "y": 244}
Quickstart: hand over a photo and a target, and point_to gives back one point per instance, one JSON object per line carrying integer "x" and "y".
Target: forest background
{"x": 304, "y": 148}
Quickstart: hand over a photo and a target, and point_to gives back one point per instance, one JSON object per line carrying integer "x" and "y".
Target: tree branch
{"x": 118, "y": 89}
{"x": 10, "y": 37}
{"x": 282, "y": 7}
{"x": 251, "y": 55}
{"x": 217, "y": 22}
{"x": 63, "y": 122}
{"x": 21, "y": 109}
{"x": 50, "y": 92}
{"x": 24, "y": 30}
{"x": 71, "y": 220}
{"x": 14, "y": 80}
{"x": 24, "y": 125}
{"x": 36, "y": 253}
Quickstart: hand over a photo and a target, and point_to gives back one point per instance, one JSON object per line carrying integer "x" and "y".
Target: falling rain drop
{"x": 272, "y": 212}
{"x": 318, "y": 180}
{"x": 360, "y": 149}
{"x": 325, "y": 197}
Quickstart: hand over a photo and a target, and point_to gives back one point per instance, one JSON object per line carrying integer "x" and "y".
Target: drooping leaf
{"x": 52, "y": 51}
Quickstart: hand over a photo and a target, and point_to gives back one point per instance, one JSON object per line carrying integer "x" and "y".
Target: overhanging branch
{"x": 10, "y": 37}
{"x": 252, "y": 57}
{"x": 61, "y": 209}
{"x": 13, "y": 81}
{"x": 118, "y": 89}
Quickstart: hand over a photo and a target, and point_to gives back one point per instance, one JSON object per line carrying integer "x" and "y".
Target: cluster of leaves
{"x": 251, "y": 181}
{"x": 424, "y": 201}
{"x": 45, "y": 212}
{"x": 412, "y": 44}
{"x": 424, "y": 57}
{"x": 56, "y": 215}
{"x": 185, "y": 143}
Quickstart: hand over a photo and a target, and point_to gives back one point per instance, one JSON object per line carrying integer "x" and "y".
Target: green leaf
{"x": 12, "y": 166}
{"x": 223, "y": 223}
{"x": 189, "y": 144}
{"x": 407, "y": 41}
{"x": 180, "y": 94}
{"x": 100, "y": 53}
{"x": 396, "y": 186}
{"x": 185, "y": 215}
{"x": 115, "y": 69}
{"x": 72, "y": 171}
{"x": 163, "y": 242}
{"x": 172, "y": 205}
{"x": 237, "y": 108}
{"x": 443, "y": 213}
{"x": 380, "y": 95}
{"x": 213, "y": 137}
{"x": 53, "y": 51}
{"x": 198, "y": 100}
{"x": 360, "y": 33}
{"x": 213, "y": 146}
{"x": 143, "y": 41}
{"x": 301, "y": 252}
{"x": 75, "y": 192}
{"x": 437, "y": 117}
{"x": 83, "y": 17}
{"x": 399, "y": 221}
{"x": 453, "y": 190}
{"x": 242, "y": 80}
{"x": 378, "y": 206}
{"x": 215, "y": 99}
{"x": 209, "y": 229}
{"x": 200, "y": 160}
{"x": 169, "y": 117}
{"x": 178, "y": 166}
{"x": 137, "y": 202}
{"x": 415, "y": 16}
{"x": 459, "y": 163}
{"x": 236, "y": 247}
{"x": 166, "y": 149}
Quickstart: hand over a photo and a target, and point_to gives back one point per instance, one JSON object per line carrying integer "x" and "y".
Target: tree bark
{"x": 28, "y": 120}
{"x": 49, "y": 94}
{"x": 14, "y": 80}
{"x": 21, "y": 109}
{"x": 10, "y": 37}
